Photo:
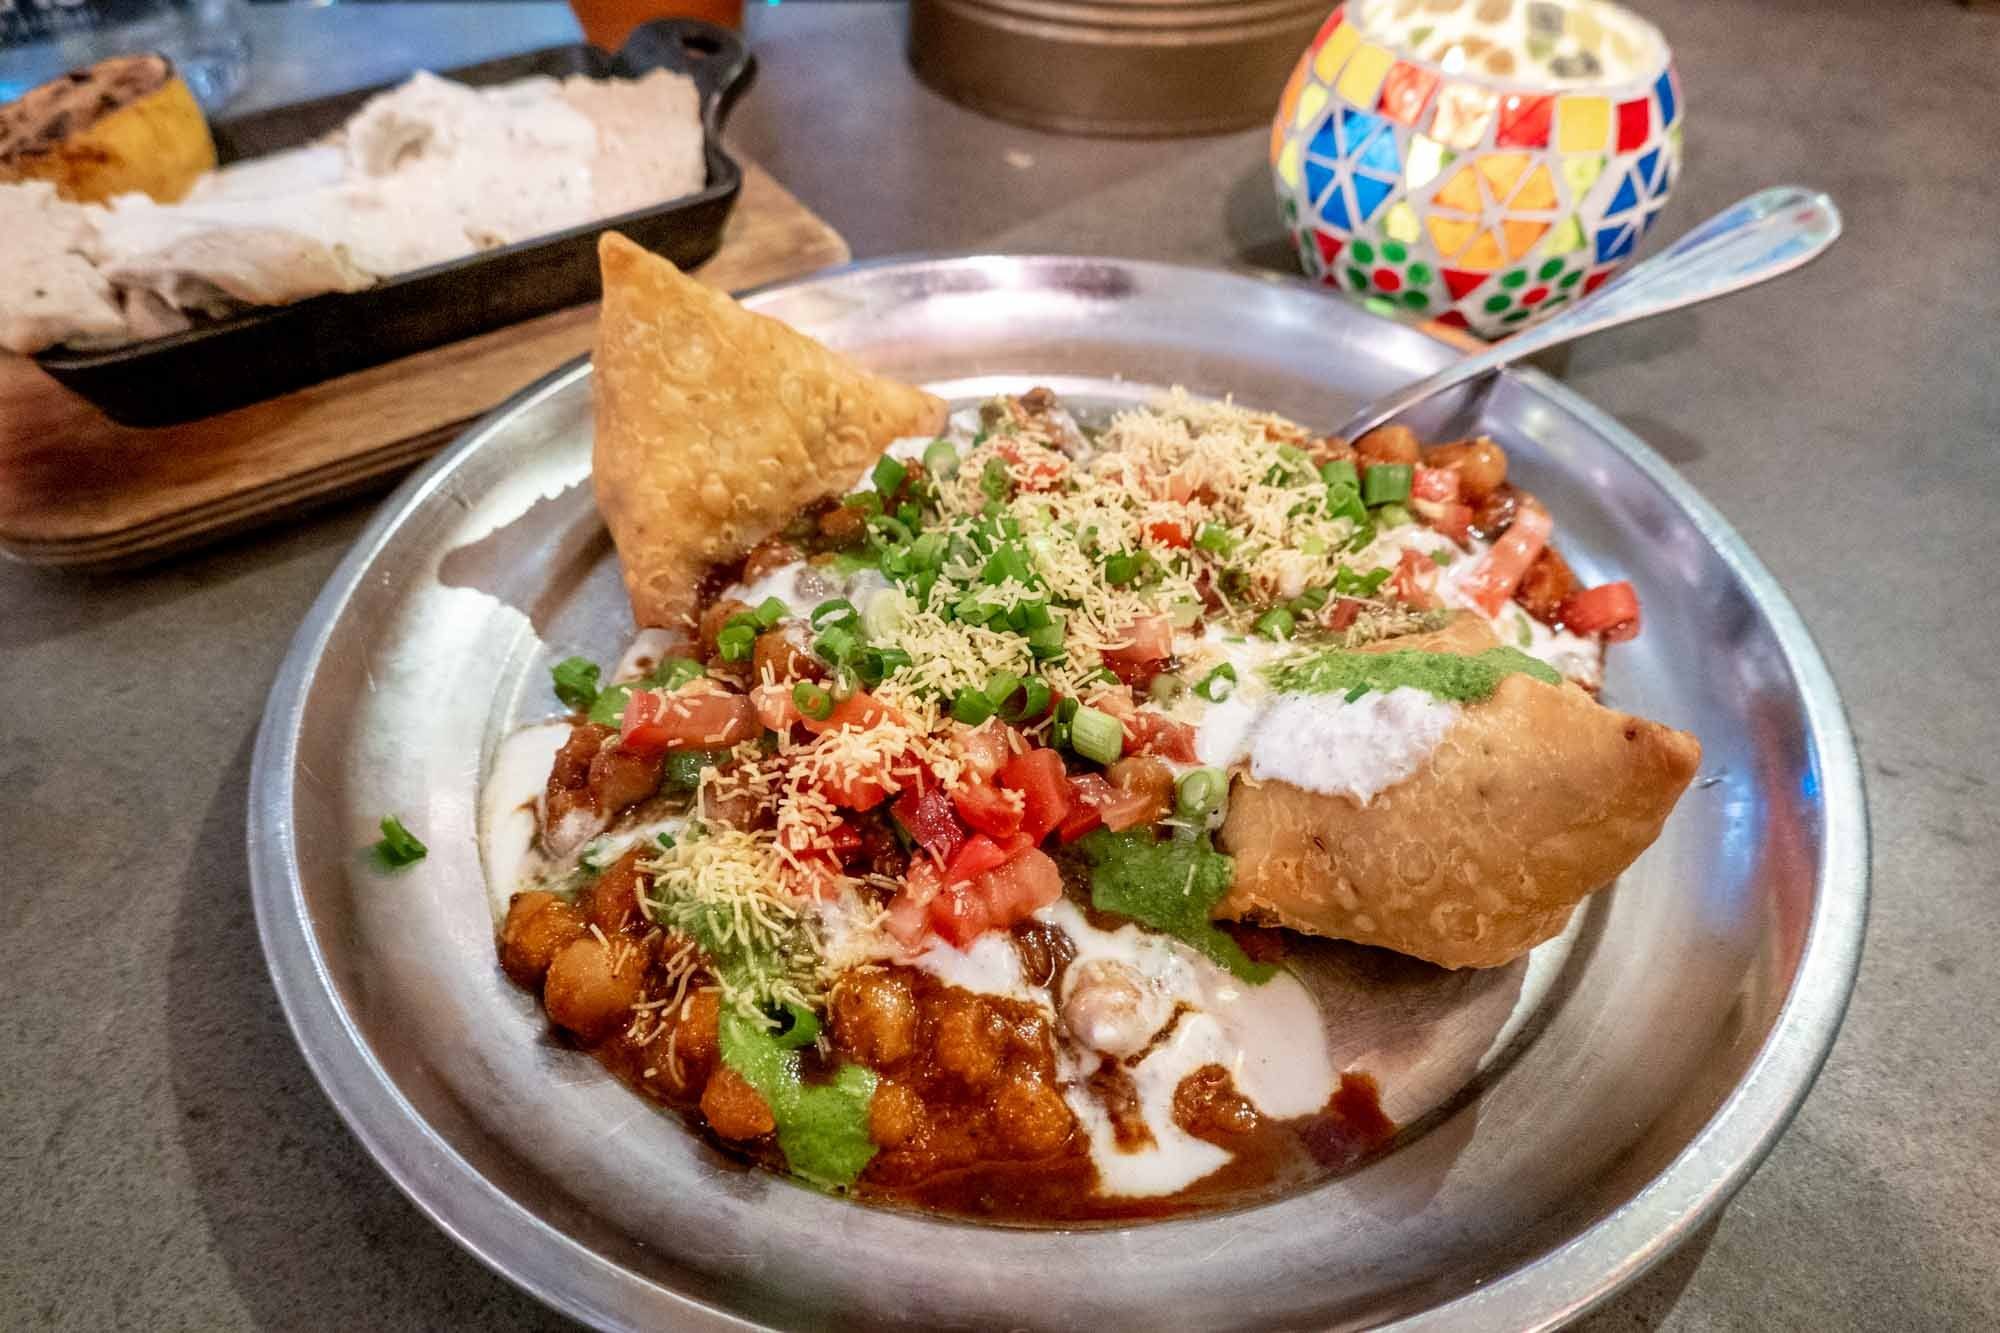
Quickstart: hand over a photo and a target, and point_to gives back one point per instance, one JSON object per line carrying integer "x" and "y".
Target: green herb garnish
{"x": 399, "y": 847}
{"x": 576, "y": 683}
{"x": 822, "y": 1126}
{"x": 1447, "y": 675}
{"x": 1170, "y": 884}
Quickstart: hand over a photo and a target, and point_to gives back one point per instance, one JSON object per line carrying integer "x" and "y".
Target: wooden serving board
{"x": 78, "y": 490}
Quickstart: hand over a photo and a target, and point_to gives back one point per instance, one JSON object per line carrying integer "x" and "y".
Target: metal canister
{"x": 1125, "y": 67}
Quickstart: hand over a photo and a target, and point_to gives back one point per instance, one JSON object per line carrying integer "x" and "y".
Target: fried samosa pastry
{"x": 715, "y": 426}
{"x": 1536, "y": 797}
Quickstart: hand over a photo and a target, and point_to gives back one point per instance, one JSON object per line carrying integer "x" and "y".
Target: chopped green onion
{"x": 1218, "y": 684}
{"x": 1199, "y": 793}
{"x": 1343, "y": 500}
{"x": 1045, "y": 642}
{"x": 1442, "y": 557}
{"x": 909, "y": 515}
{"x": 1354, "y": 694}
{"x": 889, "y": 531}
{"x": 1312, "y": 599}
{"x": 971, "y": 706}
{"x": 1277, "y": 623}
{"x": 1393, "y": 515}
{"x": 682, "y": 770}
{"x": 993, "y": 480}
{"x": 836, "y": 612}
{"x": 399, "y": 847}
{"x": 1167, "y": 687}
{"x": 1028, "y": 703}
{"x": 876, "y": 664}
{"x": 1293, "y": 456}
{"x": 666, "y": 841}
{"x": 1120, "y": 568}
{"x": 941, "y": 459}
{"x": 796, "y": 1026}
{"x": 1007, "y": 562}
{"x": 1183, "y": 614}
{"x": 812, "y": 700}
{"x": 576, "y": 683}
{"x": 1340, "y": 471}
{"x": 887, "y": 610}
{"x": 837, "y": 645}
{"x": 1214, "y": 537}
{"x": 1095, "y": 734}
{"x": 770, "y": 611}
{"x": 736, "y": 643}
{"x": 1001, "y": 684}
{"x": 1351, "y": 583}
{"x": 866, "y": 501}
{"x": 743, "y": 620}
{"x": 1386, "y": 483}
{"x": 888, "y": 475}
{"x": 1525, "y": 636}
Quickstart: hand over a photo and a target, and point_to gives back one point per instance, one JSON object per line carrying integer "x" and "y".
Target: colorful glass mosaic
{"x": 1420, "y": 179}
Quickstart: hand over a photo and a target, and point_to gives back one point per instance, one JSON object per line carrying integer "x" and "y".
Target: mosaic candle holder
{"x": 1444, "y": 191}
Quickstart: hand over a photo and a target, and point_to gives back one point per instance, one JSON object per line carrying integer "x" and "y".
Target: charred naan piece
{"x": 1537, "y": 796}
{"x": 716, "y": 426}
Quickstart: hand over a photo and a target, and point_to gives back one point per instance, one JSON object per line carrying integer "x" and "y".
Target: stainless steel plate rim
{"x": 1550, "y": 1289}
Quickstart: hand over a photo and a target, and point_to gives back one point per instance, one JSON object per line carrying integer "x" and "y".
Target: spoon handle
{"x": 1771, "y": 232}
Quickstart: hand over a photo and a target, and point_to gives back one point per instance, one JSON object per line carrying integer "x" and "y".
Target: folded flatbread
{"x": 715, "y": 426}
{"x": 1537, "y": 796}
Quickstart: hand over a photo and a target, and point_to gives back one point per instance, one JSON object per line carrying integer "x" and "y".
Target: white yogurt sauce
{"x": 1268, "y": 1037}
{"x": 648, "y": 646}
{"x": 510, "y": 806}
{"x": 990, "y": 966}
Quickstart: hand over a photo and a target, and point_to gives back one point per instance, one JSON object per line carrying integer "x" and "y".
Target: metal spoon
{"x": 1772, "y": 232}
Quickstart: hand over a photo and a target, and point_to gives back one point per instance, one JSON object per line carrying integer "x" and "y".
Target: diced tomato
{"x": 688, "y": 719}
{"x": 927, "y": 816}
{"x": 1452, "y": 518}
{"x": 1436, "y": 484}
{"x": 1177, "y": 485}
{"x": 961, "y": 911}
{"x": 1035, "y": 468}
{"x": 1415, "y": 576}
{"x": 1343, "y": 613}
{"x": 857, "y": 791}
{"x": 1169, "y": 533}
{"x": 981, "y": 854}
{"x": 987, "y": 808}
{"x": 909, "y": 915}
{"x": 1142, "y": 650}
{"x": 1107, "y": 805}
{"x": 1499, "y": 573}
{"x": 1021, "y": 887}
{"x": 1610, "y": 609}
{"x": 1038, "y": 776}
{"x": 839, "y": 840}
{"x": 857, "y": 712}
{"x": 1152, "y": 732}
{"x": 812, "y": 875}
{"x": 774, "y": 705}
{"x": 986, "y": 747}
{"x": 1089, "y": 794}
{"x": 1146, "y": 789}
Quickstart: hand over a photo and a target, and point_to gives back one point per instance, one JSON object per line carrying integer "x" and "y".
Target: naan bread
{"x": 715, "y": 426}
{"x": 1537, "y": 796}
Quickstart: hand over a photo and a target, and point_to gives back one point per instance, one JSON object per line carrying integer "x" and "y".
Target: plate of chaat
{"x": 935, "y": 794}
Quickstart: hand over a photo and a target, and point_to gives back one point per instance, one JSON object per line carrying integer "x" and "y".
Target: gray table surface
{"x": 170, "y": 1162}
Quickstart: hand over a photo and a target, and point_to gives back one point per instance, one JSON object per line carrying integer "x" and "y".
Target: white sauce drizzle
{"x": 510, "y": 806}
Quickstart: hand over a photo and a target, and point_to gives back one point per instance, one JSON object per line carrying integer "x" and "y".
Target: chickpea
{"x": 1481, "y": 466}
{"x": 1111, "y": 1007}
{"x": 971, "y": 1039}
{"x": 734, "y": 1109}
{"x": 539, "y": 925}
{"x": 896, "y": 1114}
{"x": 697, "y": 1041}
{"x": 843, "y": 526}
{"x": 713, "y": 619}
{"x": 586, "y": 993}
{"x": 614, "y": 899}
{"x": 1387, "y": 444}
{"x": 619, "y": 778}
{"x": 784, "y": 654}
{"x": 770, "y": 555}
{"x": 1033, "y": 1117}
{"x": 875, "y": 1018}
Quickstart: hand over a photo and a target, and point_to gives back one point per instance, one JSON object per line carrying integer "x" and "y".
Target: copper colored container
{"x": 1139, "y": 67}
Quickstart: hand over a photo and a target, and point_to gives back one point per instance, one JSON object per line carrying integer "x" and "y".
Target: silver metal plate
{"x": 1574, "y": 1117}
